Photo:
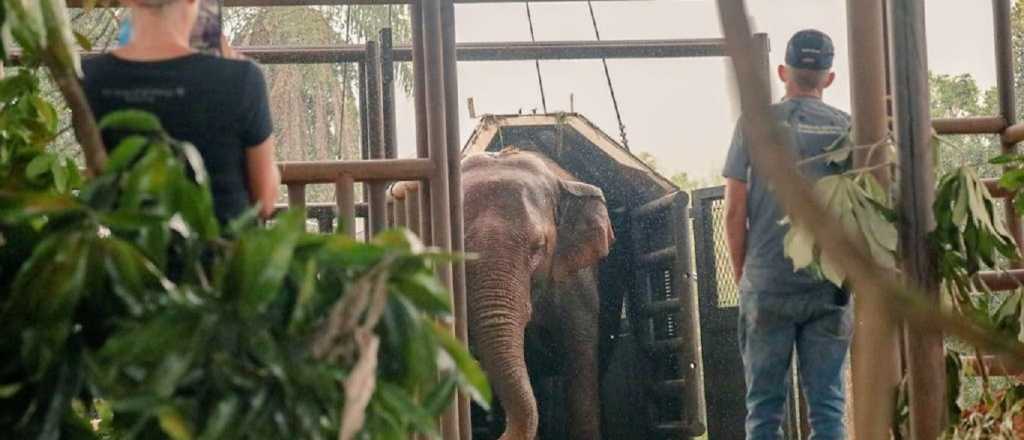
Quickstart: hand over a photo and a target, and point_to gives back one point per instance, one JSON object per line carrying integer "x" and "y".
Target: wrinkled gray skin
{"x": 538, "y": 234}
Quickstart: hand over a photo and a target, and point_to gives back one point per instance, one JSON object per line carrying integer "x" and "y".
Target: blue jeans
{"x": 819, "y": 326}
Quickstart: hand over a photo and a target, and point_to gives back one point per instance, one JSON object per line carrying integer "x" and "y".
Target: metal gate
{"x": 664, "y": 317}
{"x": 719, "y": 299}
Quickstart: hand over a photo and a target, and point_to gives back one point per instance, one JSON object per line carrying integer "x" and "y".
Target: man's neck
{"x": 796, "y": 94}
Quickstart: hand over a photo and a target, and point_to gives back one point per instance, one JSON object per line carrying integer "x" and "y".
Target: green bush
{"x": 129, "y": 312}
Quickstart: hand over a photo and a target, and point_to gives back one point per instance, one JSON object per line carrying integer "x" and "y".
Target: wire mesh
{"x": 728, "y": 294}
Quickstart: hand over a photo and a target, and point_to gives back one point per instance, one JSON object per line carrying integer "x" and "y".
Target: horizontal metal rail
{"x": 491, "y": 51}
{"x": 358, "y": 170}
{"x": 262, "y": 3}
{"x": 995, "y": 365}
{"x": 1014, "y": 133}
{"x": 1003, "y": 280}
{"x": 974, "y": 125}
{"x": 658, "y": 257}
{"x": 326, "y": 209}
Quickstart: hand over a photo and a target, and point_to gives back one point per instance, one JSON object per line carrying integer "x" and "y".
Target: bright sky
{"x": 679, "y": 110}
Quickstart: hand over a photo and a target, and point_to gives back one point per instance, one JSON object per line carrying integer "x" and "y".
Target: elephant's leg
{"x": 581, "y": 338}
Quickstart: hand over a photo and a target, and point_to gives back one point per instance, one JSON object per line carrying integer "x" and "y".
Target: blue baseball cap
{"x": 810, "y": 49}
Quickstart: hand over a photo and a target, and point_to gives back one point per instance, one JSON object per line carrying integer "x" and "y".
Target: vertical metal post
{"x": 694, "y": 410}
{"x": 875, "y": 361}
{"x": 399, "y": 209}
{"x": 451, "y": 89}
{"x": 924, "y": 349}
{"x": 375, "y": 136}
{"x": 1002, "y": 11}
{"x": 364, "y": 135}
{"x": 412, "y": 208}
{"x": 434, "y": 94}
{"x": 297, "y": 197}
{"x": 387, "y": 71}
{"x": 420, "y": 99}
{"x": 344, "y": 192}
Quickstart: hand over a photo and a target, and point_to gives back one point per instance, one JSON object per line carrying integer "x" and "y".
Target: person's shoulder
{"x": 96, "y": 63}
{"x": 832, "y": 112}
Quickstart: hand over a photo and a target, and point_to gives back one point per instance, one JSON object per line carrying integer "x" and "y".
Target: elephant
{"x": 537, "y": 235}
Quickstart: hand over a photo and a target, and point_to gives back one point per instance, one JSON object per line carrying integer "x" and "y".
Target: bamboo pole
{"x": 875, "y": 359}
{"x": 375, "y": 136}
{"x": 344, "y": 192}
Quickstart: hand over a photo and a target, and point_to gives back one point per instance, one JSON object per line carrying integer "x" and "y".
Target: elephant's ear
{"x": 584, "y": 231}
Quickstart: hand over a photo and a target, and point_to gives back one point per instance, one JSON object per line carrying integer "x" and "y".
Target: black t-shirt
{"x": 217, "y": 104}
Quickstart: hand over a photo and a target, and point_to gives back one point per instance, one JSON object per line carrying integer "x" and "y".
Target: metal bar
{"x": 360, "y": 170}
{"x": 974, "y": 125}
{"x": 387, "y": 84}
{"x": 454, "y": 156}
{"x": 875, "y": 359}
{"x": 925, "y": 352}
{"x": 671, "y": 305}
{"x": 364, "y": 130}
{"x": 264, "y": 3}
{"x": 436, "y": 115}
{"x": 399, "y": 212}
{"x": 1002, "y": 280}
{"x": 375, "y": 136}
{"x": 494, "y": 51}
{"x": 412, "y": 208}
{"x": 995, "y": 365}
{"x": 1013, "y": 134}
{"x": 657, "y": 257}
{"x": 654, "y": 206}
{"x": 344, "y": 193}
{"x": 297, "y": 196}
{"x": 694, "y": 409}
{"x": 1003, "y": 29}
{"x": 420, "y": 101}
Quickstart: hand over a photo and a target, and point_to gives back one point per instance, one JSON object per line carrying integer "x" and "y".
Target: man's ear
{"x": 829, "y": 80}
{"x": 783, "y": 73}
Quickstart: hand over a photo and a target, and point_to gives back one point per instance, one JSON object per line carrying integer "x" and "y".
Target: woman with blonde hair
{"x": 217, "y": 103}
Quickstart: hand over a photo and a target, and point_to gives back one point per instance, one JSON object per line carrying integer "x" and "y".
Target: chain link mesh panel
{"x": 728, "y": 294}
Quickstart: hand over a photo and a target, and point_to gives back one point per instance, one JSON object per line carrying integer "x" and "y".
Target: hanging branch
{"x": 55, "y": 56}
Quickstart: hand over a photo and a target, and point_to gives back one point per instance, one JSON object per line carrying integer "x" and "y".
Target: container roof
{"x": 580, "y": 147}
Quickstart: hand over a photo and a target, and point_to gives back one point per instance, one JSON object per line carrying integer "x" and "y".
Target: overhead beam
{"x": 493, "y": 51}
{"x": 264, "y": 3}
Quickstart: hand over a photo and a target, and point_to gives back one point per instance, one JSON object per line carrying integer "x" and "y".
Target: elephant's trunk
{"x": 499, "y": 309}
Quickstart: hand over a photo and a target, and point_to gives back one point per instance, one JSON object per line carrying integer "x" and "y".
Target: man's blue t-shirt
{"x": 813, "y": 127}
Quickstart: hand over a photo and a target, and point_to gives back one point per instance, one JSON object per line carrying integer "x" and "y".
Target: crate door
{"x": 664, "y": 316}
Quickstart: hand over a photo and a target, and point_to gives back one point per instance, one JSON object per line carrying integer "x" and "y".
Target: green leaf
{"x": 125, "y": 153}
{"x": 9, "y": 389}
{"x": 174, "y": 424}
{"x": 132, "y": 121}
{"x": 220, "y": 421}
{"x": 261, "y": 260}
{"x": 471, "y": 377}
{"x": 40, "y": 165}
{"x": 82, "y": 40}
{"x": 440, "y": 396}
{"x": 60, "y": 177}
{"x": 426, "y": 292}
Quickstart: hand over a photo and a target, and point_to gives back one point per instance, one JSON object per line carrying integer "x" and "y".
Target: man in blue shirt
{"x": 782, "y": 309}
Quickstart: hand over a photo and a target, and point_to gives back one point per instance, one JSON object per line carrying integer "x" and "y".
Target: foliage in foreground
{"x": 125, "y": 290}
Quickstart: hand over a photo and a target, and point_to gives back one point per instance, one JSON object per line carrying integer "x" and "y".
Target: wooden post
{"x": 925, "y": 352}
{"x": 875, "y": 359}
{"x": 297, "y": 196}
